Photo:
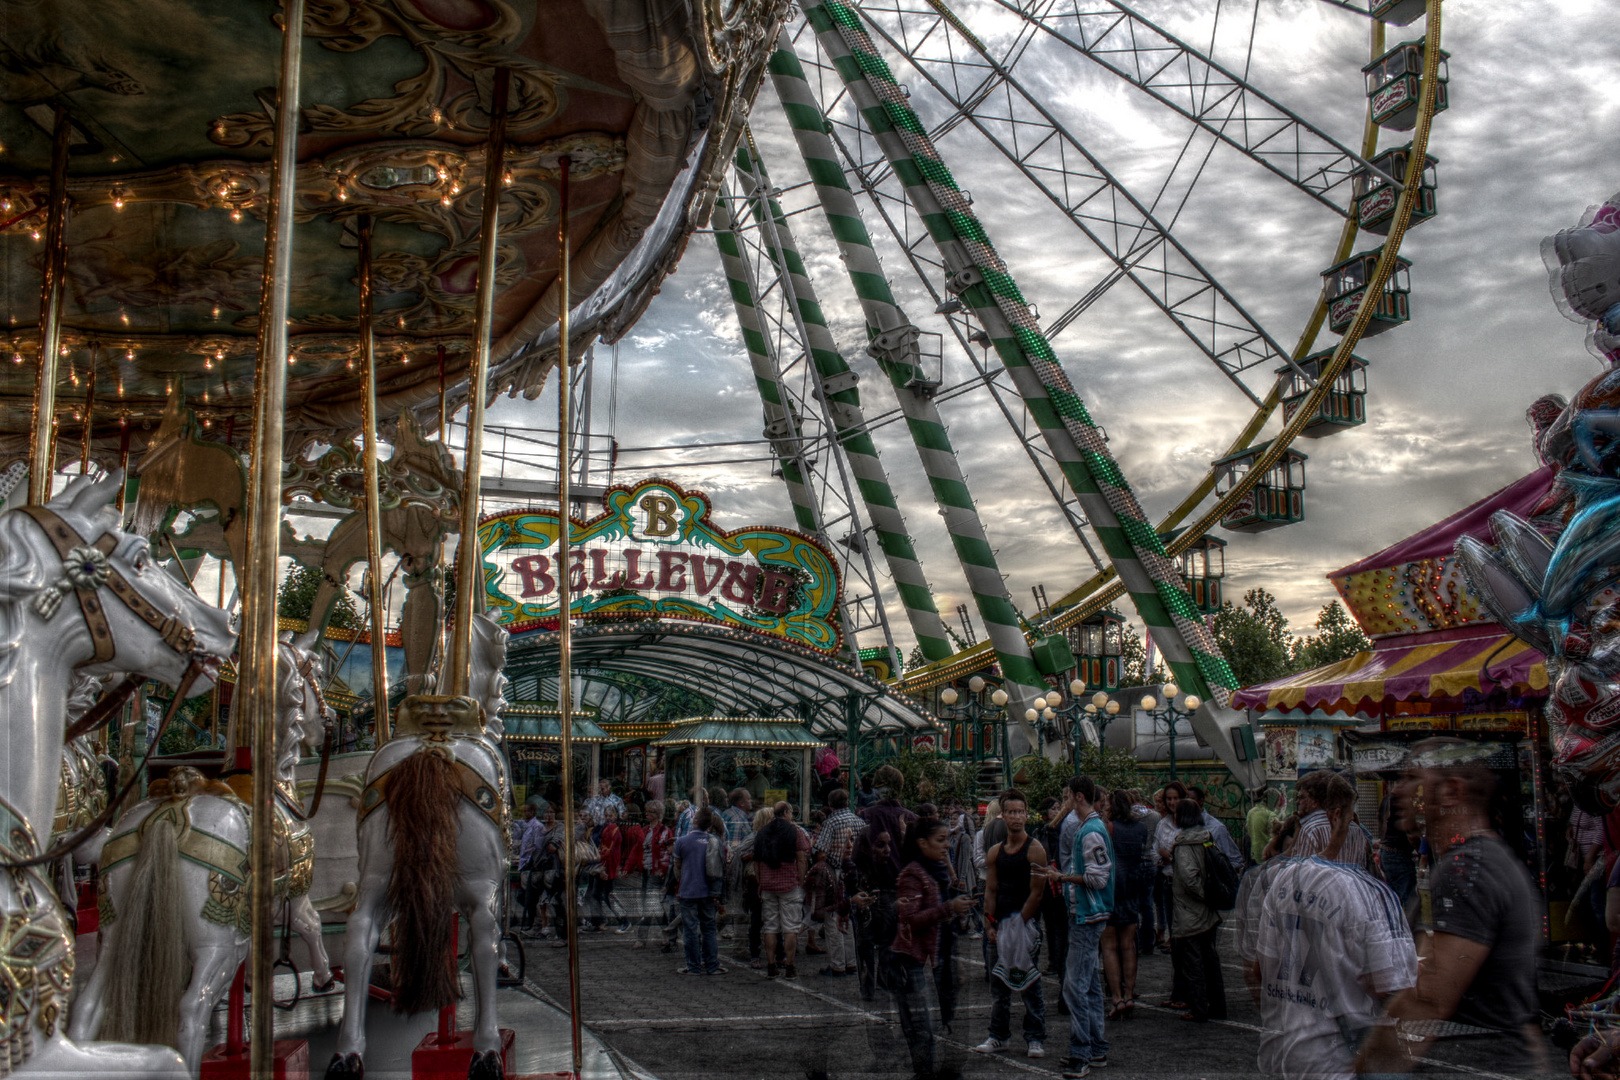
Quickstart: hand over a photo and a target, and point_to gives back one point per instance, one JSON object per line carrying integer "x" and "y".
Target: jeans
{"x": 1083, "y": 991}
{"x": 701, "y": 939}
{"x": 840, "y": 943}
{"x": 1199, "y": 965}
{"x": 911, "y": 989}
{"x": 1001, "y": 1005}
{"x": 1401, "y": 872}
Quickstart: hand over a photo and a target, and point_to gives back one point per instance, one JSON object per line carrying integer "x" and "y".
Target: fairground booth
{"x": 769, "y": 756}
{"x": 1438, "y": 666}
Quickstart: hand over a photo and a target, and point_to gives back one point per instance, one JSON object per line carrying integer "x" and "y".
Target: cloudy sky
{"x": 1529, "y": 142}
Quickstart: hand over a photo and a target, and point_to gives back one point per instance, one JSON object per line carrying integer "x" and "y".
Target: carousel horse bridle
{"x": 85, "y": 568}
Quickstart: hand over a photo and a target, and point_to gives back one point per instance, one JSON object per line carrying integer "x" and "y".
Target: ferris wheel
{"x": 880, "y": 100}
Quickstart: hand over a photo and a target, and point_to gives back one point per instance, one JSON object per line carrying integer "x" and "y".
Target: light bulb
{"x": 1031, "y": 715}
{"x": 1113, "y": 708}
{"x": 976, "y": 684}
{"x": 999, "y": 698}
{"x": 1192, "y": 703}
{"x": 1077, "y": 687}
{"x": 948, "y": 695}
{"x": 1048, "y": 714}
{"x": 1099, "y": 699}
{"x": 1091, "y": 710}
{"x": 1171, "y": 690}
{"x": 1150, "y": 703}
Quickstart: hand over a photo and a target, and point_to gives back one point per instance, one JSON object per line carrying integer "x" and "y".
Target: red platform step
{"x": 292, "y": 1062}
{"x": 438, "y": 1057}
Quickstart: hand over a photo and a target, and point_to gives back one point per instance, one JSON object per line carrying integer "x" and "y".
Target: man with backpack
{"x": 1201, "y": 880}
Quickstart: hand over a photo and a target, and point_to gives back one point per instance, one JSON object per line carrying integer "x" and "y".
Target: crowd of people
{"x": 1320, "y": 914}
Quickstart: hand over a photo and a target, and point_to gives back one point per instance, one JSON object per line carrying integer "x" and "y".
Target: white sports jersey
{"x": 1330, "y": 939}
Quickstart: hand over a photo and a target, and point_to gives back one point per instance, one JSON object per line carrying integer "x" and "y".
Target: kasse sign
{"x": 654, "y": 554}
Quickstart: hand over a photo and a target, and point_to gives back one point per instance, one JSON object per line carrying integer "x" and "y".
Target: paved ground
{"x": 740, "y": 1024}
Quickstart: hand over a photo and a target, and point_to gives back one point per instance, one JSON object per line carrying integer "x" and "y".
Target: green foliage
{"x": 296, "y": 597}
{"x": 915, "y": 659}
{"x": 1338, "y": 637}
{"x": 1133, "y": 662}
{"x": 1040, "y": 777}
{"x": 931, "y": 778}
{"x": 1254, "y": 638}
{"x": 674, "y": 703}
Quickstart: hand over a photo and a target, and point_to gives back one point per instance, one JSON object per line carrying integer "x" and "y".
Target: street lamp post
{"x": 978, "y": 715}
{"x": 1170, "y": 714}
{"x": 1048, "y": 710}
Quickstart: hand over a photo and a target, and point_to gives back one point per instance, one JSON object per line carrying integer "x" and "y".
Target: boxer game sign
{"x": 653, "y": 553}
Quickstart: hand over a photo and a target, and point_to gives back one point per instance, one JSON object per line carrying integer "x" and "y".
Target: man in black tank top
{"x": 1011, "y": 889}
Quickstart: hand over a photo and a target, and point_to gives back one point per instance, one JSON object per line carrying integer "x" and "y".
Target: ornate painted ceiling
{"x": 171, "y": 103}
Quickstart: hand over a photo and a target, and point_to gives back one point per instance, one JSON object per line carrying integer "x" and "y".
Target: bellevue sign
{"x": 654, "y": 554}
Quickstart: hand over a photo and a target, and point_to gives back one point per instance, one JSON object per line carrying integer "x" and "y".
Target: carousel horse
{"x": 433, "y": 826}
{"x": 81, "y": 793}
{"x": 77, "y": 596}
{"x": 174, "y": 893}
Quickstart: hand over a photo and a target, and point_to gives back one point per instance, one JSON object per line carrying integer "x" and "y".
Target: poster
{"x": 1282, "y": 753}
{"x": 1315, "y": 747}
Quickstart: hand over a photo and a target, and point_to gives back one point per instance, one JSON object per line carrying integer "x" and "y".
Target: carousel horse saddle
{"x": 36, "y": 948}
{"x": 196, "y": 845}
{"x": 440, "y": 723}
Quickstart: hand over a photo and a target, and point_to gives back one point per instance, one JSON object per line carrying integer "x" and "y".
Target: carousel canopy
{"x": 774, "y": 733}
{"x": 171, "y": 124}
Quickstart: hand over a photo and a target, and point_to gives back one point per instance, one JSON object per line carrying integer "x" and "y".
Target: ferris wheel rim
{"x": 1104, "y": 587}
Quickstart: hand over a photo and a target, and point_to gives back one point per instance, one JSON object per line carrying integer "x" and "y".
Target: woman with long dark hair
{"x": 920, "y": 909}
{"x": 1133, "y": 875}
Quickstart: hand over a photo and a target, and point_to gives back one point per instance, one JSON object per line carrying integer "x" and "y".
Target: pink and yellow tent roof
{"x": 1432, "y": 639}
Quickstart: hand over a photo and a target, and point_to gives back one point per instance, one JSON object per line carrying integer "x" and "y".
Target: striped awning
{"x": 1434, "y": 667}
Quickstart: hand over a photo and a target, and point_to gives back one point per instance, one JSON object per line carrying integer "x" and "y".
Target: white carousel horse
{"x": 433, "y": 840}
{"x": 81, "y": 794}
{"x": 175, "y": 915}
{"x": 76, "y": 595}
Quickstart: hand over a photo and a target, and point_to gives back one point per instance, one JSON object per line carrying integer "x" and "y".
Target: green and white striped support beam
{"x": 781, "y": 426}
{"x": 981, "y": 279}
{"x": 836, "y": 385}
{"x": 894, "y": 347}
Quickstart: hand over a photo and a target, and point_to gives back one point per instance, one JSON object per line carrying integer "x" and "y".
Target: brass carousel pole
{"x": 565, "y": 637}
{"x": 89, "y": 409}
{"x": 42, "y": 433}
{"x": 368, "y": 420}
{"x": 468, "y": 555}
{"x": 256, "y": 685}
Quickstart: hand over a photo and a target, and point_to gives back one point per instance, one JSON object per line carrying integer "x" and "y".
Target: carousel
{"x": 254, "y": 273}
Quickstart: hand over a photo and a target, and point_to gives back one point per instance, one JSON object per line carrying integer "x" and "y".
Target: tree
{"x": 915, "y": 659}
{"x": 296, "y": 597}
{"x": 1133, "y": 662}
{"x": 1338, "y": 637}
{"x": 1254, "y": 638}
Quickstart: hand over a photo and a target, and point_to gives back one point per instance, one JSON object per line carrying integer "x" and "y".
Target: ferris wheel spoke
{"x": 1195, "y": 85}
{"x": 1042, "y": 148}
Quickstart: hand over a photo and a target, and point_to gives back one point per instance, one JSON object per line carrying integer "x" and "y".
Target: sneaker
{"x": 991, "y": 1045}
{"x": 1035, "y": 1049}
{"x": 686, "y": 971}
{"x": 772, "y": 971}
{"x": 790, "y": 972}
{"x": 1100, "y": 1061}
{"x": 625, "y": 929}
{"x": 1076, "y": 1072}
{"x": 716, "y": 971}
{"x": 757, "y": 964}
